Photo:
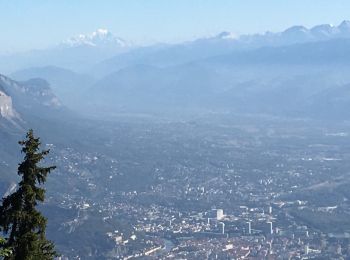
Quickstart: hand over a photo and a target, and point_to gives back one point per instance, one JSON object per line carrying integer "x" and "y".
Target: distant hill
{"x": 66, "y": 84}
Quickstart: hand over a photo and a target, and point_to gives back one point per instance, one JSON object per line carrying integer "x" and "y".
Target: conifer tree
{"x": 22, "y": 223}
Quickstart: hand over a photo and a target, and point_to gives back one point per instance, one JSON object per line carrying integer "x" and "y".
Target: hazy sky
{"x": 32, "y": 24}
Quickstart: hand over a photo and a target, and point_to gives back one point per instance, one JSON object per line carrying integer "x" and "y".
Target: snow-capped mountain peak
{"x": 101, "y": 32}
{"x": 98, "y": 38}
{"x": 323, "y": 27}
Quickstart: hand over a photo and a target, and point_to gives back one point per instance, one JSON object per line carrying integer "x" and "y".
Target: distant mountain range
{"x": 82, "y": 53}
{"x": 221, "y": 44}
{"x": 298, "y": 34}
{"x": 301, "y": 80}
{"x": 273, "y": 73}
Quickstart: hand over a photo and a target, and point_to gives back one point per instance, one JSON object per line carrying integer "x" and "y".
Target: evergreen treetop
{"x": 19, "y": 219}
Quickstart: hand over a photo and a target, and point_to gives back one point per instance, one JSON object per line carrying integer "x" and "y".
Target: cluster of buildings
{"x": 261, "y": 208}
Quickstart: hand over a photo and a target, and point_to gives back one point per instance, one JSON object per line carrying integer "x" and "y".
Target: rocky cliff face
{"x": 18, "y": 99}
{"x": 6, "y": 108}
{"x": 7, "y": 111}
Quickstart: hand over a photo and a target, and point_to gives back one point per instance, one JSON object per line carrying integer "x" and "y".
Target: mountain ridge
{"x": 100, "y": 38}
{"x": 85, "y": 52}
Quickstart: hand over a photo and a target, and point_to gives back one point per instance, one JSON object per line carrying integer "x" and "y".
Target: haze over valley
{"x": 220, "y": 147}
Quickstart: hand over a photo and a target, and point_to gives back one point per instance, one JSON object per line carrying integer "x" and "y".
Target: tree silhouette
{"x": 19, "y": 219}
